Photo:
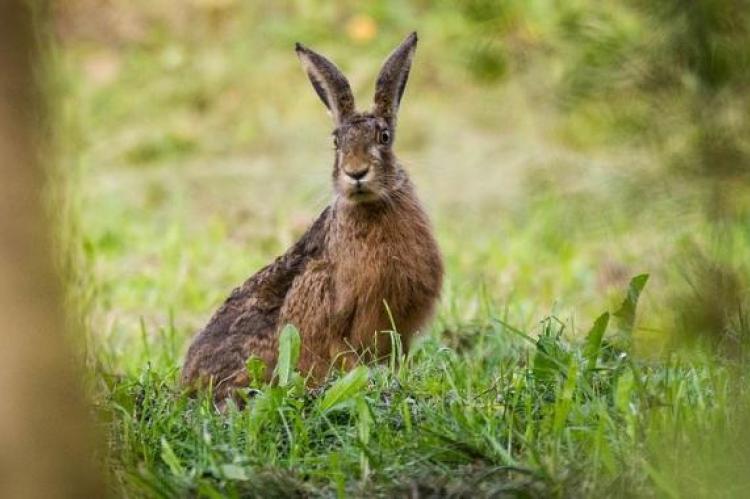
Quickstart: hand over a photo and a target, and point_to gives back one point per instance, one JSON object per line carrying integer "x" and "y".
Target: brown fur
{"x": 371, "y": 247}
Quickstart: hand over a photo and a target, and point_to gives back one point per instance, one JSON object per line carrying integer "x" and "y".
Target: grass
{"x": 193, "y": 151}
{"x": 514, "y": 415}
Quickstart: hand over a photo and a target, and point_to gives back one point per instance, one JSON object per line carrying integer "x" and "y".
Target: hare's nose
{"x": 358, "y": 174}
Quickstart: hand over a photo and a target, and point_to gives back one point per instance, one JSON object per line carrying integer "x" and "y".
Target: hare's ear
{"x": 329, "y": 83}
{"x": 392, "y": 79}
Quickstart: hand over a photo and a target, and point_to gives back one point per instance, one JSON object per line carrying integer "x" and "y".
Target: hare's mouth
{"x": 360, "y": 194}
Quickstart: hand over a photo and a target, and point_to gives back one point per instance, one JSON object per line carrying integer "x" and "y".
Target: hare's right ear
{"x": 329, "y": 83}
{"x": 392, "y": 79}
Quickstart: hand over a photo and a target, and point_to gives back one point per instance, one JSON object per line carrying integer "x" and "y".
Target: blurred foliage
{"x": 672, "y": 75}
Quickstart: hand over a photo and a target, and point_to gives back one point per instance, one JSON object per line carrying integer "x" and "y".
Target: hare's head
{"x": 365, "y": 168}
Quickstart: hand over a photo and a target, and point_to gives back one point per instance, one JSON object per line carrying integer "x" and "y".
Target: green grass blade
{"x": 626, "y": 313}
{"x": 345, "y": 389}
{"x": 171, "y": 459}
{"x": 594, "y": 340}
{"x": 289, "y": 347}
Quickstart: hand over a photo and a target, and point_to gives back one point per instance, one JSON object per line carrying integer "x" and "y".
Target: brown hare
{"x": 372, "y": 246}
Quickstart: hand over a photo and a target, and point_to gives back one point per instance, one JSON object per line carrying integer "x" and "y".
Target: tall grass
{"x": 515, "y": 414}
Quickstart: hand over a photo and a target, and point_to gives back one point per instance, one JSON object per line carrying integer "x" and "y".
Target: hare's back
{"x": 248, "y": 321}
{"x": 242, "y": 324}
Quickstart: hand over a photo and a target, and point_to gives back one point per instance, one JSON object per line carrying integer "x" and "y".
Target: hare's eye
{"x": 384, "y": 137}
{"x": 336, "y": 141}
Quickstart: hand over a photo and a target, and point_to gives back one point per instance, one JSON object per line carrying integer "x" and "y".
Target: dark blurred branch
{"x": 45, "y": 445}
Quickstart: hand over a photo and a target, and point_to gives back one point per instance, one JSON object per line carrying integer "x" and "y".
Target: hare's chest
{"x": 373, "y": 269}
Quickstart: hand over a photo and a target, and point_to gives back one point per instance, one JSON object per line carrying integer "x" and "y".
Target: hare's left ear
{"x": 329, "y": 83}
{"x": 392, "y": 79}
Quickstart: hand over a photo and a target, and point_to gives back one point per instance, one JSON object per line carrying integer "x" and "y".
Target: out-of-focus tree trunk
{"x": 45, "y": 445}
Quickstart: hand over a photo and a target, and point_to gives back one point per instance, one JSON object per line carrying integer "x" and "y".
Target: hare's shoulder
{"x": 248, "y": 319}
{"x": 265, "y": 292}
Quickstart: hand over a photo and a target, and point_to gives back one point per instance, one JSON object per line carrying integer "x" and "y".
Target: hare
{"x": 372, "y": 246}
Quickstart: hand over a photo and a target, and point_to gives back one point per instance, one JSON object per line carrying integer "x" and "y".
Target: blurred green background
{"x": 560, "y": 147}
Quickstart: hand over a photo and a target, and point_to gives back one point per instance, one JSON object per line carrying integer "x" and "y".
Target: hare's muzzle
{"x": 358, "y": 184}
{"x": 358, "y": 176}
